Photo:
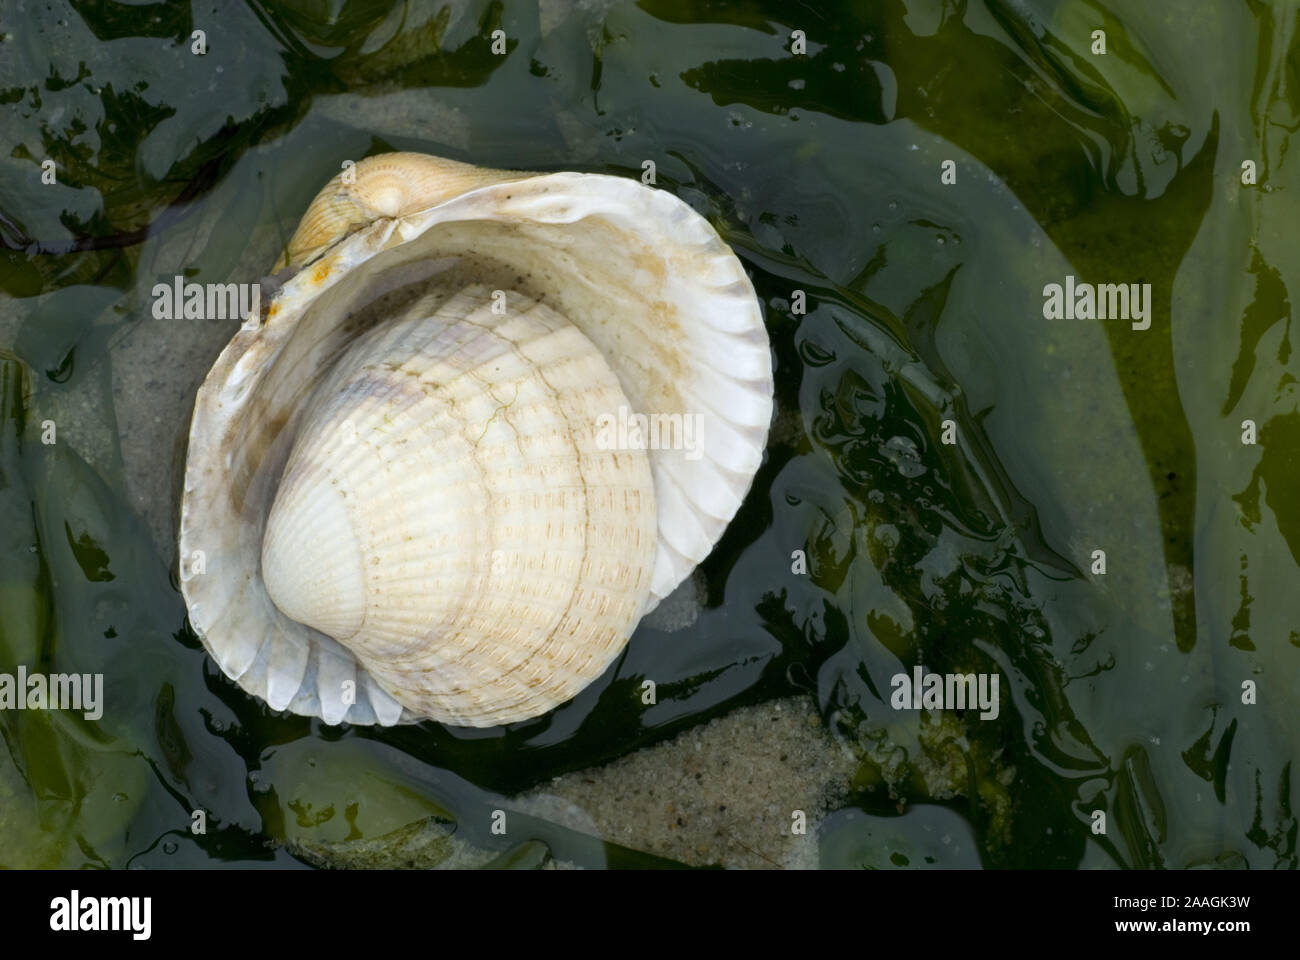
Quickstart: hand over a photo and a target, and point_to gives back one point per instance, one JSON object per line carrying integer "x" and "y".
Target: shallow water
{"x": 1122, "y": 692}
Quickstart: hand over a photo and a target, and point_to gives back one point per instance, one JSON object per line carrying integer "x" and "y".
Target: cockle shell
{"x": 401, "y": 499}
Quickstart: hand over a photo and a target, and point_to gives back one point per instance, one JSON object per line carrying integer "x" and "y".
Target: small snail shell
{"x": 412, "y": 480}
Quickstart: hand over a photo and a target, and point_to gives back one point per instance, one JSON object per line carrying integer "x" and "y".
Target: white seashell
{"x": 401, "y": 477}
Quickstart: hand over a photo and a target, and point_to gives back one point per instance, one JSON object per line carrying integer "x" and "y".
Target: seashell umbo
{"x": 401, "y": 488}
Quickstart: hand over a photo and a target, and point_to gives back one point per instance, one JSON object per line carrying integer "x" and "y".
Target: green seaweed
{"x": 1122, "y": 693}
{"x": 83, "y": 785}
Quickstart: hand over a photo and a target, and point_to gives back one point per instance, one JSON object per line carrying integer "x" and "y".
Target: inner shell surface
{"x": 449, "y": 514}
